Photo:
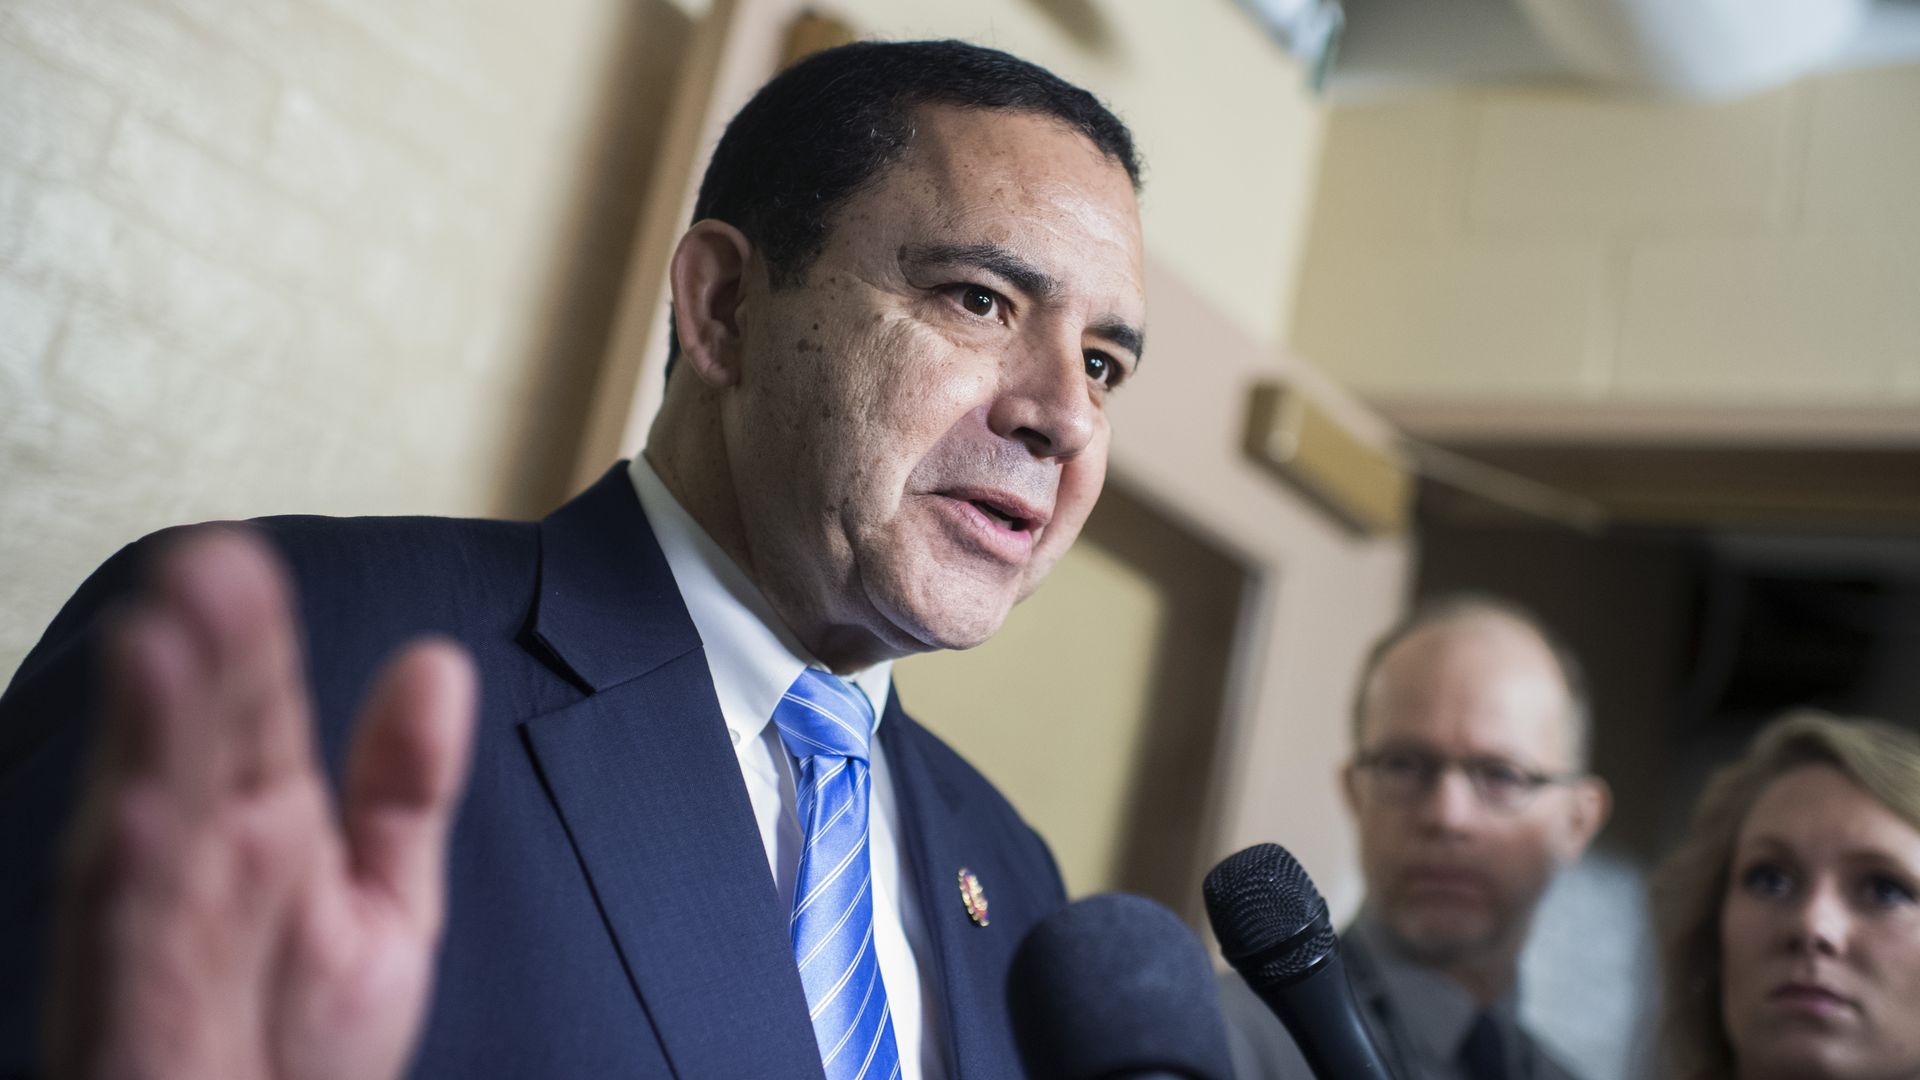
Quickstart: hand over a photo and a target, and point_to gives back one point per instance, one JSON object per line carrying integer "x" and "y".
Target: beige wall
{"x": 1565, "y": 245}
{"x": 338, "y": 256}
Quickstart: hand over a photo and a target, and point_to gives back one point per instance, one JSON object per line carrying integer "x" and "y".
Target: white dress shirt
{"x": 753, "y": 659}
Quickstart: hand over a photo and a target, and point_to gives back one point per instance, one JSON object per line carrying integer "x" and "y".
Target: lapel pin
{"x": 973, "y": 896}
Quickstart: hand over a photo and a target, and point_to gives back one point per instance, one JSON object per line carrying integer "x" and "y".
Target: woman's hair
{"x": 1691, "y": 886}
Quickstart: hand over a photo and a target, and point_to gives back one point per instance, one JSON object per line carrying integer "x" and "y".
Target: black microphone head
{"x": 1272, "y": 924}
{"x": 1114, "y": 985}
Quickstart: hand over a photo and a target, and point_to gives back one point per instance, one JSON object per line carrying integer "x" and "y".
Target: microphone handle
{"x": 1324, "y": 1019}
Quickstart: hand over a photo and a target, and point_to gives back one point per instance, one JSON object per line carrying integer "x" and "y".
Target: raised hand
{"x": 219, "y": 919}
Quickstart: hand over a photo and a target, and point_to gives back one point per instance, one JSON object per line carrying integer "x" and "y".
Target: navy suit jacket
{"x": 611, "y": 912}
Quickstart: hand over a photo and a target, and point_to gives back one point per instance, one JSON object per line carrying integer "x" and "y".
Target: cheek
{"x": 1081, "y": 481}
{"x": 1383, "y": 833}
{"x": 908, "y": 390}
{"x": 1742, "y": 943}
{"x": 1527, "y": 863}
{"x": 1083, "y": 478}
{"x": 1900, "y": 961}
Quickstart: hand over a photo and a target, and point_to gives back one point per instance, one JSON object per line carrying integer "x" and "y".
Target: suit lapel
{"x": 938, "y": 842}
{"x": 647, "y": 783}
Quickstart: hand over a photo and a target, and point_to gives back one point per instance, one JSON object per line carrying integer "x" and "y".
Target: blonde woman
{"x": 1789, "y": 916}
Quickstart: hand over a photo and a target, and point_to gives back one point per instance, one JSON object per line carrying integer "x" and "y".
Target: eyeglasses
{"x": 1408, "y": 775}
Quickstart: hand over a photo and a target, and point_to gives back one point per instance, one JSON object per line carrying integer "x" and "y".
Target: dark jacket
{"x": 611, "y": 912}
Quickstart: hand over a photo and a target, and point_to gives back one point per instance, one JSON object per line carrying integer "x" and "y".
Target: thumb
{"x": 405, "y": 773}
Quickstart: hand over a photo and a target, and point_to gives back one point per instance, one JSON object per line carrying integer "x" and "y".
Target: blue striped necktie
{"x": 827, "y": 725}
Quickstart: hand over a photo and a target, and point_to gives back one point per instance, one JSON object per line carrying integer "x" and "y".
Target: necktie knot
{"x": 823, "y": 714}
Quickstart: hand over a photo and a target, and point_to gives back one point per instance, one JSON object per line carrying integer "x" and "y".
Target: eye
{"x": 1404, "y": 764}
{"x": 976, "y": 300}
{"x": 1766, "y": 879}
{"x": 1500, "y": 777}
{"x": 1105, "y": 370}
{"x": 1885, "y": 890}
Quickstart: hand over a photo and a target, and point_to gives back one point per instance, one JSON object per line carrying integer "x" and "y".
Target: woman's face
{"x": 1820, "y": 934}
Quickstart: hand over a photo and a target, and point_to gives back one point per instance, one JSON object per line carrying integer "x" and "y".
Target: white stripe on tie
{"x": 832, "y": 877}
{"x": 828, "y": 936}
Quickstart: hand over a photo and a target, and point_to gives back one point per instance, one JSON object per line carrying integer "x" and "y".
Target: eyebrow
{"x": 1770, "y": 844}
{"x": 1025, "y": 277}
{"x": 1022, "y": 274}
{"x": 1123, "y": 335}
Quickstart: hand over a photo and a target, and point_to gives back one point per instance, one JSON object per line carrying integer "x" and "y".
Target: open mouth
{"x": 1001, "y": 515}
{"x": 998, "y": 520}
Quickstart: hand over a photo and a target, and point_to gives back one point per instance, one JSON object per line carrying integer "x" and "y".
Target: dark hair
{"x": 831, "y": 124}
{"x": 1469, "y": 606}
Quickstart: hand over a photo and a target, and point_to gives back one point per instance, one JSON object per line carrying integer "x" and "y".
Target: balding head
{"x": 1477, "y": 651}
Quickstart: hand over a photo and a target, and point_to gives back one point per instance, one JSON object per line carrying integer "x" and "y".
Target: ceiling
{"x": 1393, "y": 46}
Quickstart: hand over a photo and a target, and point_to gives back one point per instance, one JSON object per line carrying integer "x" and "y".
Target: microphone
{"x": 1115, "y": 987}
{"x": 1274, "y": 930}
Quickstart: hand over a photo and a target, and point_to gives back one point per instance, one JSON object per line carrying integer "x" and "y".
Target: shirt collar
{"x": 751, "y": 654}
{"x": 1436, "y": 1010}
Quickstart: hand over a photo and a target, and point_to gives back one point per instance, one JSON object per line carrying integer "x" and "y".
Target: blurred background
{"x": 1605, "y": 305}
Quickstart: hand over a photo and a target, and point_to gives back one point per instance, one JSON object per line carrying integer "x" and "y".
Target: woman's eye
{"x": 1765, "y": 879}
{"x": 979, "y": 301}
{"x": 1885, "y": 891}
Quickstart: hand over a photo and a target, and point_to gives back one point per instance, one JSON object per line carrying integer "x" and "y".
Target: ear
{"x": 708, "y": 273}
{"x": 1590, "y": 804}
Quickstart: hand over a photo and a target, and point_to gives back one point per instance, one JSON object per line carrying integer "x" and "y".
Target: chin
{"x": 938, "y": 604}
{"x": 961, "y": 630}
{"x": 1442, "y": 937}
{"x": 1036, "y": 572}
{"x": 1813, "y": 1058}
{"x": 950, "y": 623}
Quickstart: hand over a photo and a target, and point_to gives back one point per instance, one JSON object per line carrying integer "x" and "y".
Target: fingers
{"x": 228, "y": 589}
{"x": 203, "y": 811}
{"x": 407, "y": 768}
{"x": 204, "y": 687}
{"x": 209, "y": 895}
{"x": 150, "y": 691}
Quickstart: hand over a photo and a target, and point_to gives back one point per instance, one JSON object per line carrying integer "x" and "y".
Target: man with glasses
{"x": 1470, "y": 789}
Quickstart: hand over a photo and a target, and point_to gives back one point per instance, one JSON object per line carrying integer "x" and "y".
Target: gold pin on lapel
{"x": 973, "y": 896}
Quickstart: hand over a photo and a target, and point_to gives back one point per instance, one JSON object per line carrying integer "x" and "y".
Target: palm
{"x": 222, "y": 920}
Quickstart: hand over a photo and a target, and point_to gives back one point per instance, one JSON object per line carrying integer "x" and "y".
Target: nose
{"x": 1046, "y": 400}
{"x": 1819, "y": 924}
{"x": 1450, "y": 803}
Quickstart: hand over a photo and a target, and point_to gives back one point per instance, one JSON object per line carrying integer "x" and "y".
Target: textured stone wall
{"x": 338, "y": 256}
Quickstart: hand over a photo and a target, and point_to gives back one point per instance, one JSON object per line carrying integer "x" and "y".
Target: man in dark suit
{"x": 688, "y": 830}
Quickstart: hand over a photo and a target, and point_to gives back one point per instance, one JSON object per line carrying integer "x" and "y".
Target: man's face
{"x": 919, "y": 428}
{"x": 1452, "y": 878}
